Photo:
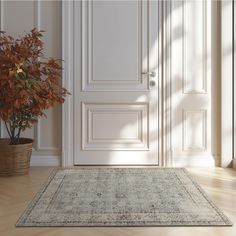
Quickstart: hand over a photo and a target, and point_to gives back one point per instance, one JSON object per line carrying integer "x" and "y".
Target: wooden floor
{"x": 17, "y": 192}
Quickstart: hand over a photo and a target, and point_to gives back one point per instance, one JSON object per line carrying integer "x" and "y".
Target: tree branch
{"x": 7, "y": 129}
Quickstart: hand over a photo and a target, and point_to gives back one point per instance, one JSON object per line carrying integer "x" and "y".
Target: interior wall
{"x": 216, "y": 81}
{"x": 227, "y": 83}
{"x": 18, "y": 17}
{"x": 195, "y": 82}
{"x": 234, "y": 77}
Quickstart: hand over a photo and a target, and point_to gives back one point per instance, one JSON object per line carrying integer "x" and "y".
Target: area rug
{"x": 100, "y": 196}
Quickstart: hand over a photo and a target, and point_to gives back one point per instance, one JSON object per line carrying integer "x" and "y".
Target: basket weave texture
{"x": 15, "y": 159}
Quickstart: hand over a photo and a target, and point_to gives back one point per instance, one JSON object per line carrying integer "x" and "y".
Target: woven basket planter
{"x": 15, "y": 159}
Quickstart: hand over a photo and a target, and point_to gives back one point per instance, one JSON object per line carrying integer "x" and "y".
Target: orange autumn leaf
{"x": 17, "y": 104}
{"x": 29, "y": 82}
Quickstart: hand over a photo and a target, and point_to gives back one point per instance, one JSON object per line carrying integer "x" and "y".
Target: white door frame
{"x": 68, "y": 82}
{"x": 228, "y": 86}
{"x": 164, "y": 119}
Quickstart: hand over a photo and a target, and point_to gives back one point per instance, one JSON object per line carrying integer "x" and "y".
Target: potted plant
{"x": 29, "y": 84}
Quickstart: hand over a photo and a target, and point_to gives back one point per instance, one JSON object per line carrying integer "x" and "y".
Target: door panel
{"x": 126, "y": 126}
{"x": 191, "y": 77}
{"x": 116, "y": 110}
{"x": 114, "y": 44}
{"x": 110, "y": 47}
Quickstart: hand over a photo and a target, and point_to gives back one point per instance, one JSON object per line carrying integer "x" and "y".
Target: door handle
{"x": 152, "y": 83}
{"x": 150, "y": 73}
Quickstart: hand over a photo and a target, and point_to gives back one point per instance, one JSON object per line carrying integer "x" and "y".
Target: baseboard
{"x": 41, "y": 160}
{"x": 234, "y": 164}
{"x": 177, "y": 161}
{"x": 195, "y": 161}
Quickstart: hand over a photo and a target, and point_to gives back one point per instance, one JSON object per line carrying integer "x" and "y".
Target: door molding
{"x": 68, "y": 82}
{"x": 164, "y": 85}
{"x": 164, "y": 103}
{"x": 227, "y": 84}
{"x": 166, "y": 111}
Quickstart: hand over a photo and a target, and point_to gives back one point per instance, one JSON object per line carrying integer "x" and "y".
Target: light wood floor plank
{"x": 17, "y": 192}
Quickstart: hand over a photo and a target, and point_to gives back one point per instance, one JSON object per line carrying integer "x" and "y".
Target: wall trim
{"x": 37, "y": 14}
{"x": 1, "y": 15}
{"x": 37, "y": 25}
{"x": 37, "y": 144}
{"x": 1, "y": 28}
{"x": 165, "y": 155}
{"x": 234, "y": 77}
{"x": 234, "y": 164}
{"x": 227, "y": 129}
{"x": 37, "y": 128}
{"x": 41, "y": 160}
{"x": 68, "y": 82}
{"x": 196, "y": 161}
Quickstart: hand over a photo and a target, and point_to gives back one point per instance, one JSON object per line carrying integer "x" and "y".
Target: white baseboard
{"x": 234, "y": 164}
{"x": 178, "y": 161}
{"x": 41, "y": 160}
{"x": 195, "y": 161}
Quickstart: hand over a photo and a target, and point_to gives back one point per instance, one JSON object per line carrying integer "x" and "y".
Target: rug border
{"x": 211, "y": 202}
{"x": 38, "y": 194}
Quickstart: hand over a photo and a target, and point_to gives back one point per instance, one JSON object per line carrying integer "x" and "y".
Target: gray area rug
{"x": 97, "y": 196}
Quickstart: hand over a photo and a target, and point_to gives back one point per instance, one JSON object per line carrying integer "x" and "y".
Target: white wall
{"x": 227, "y": 147}
{"x": 195, "y": 81}
{"x": 16, "y": 18}
{"x": 234, "y": 77}
{"x": 201, "y": 96}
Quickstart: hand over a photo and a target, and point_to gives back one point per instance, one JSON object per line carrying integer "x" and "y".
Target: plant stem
{"x": 7, "y": 129}
{"x": 10, "y": 132}
{"x": 18, "y": 135}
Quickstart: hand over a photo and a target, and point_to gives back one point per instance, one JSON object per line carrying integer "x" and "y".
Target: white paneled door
{"x": 116, "y": 82}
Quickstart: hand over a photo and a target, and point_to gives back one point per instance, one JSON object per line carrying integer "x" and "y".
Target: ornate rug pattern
{"x": 100, "y": 196}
